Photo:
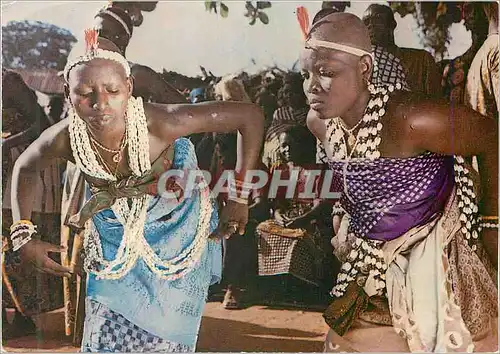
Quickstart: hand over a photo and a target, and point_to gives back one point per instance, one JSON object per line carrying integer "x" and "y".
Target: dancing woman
{"x": 417, "y": 241}
{"x": 149, "y": 258}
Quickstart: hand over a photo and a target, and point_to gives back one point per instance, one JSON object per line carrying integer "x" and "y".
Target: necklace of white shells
{"x": 366, "y": 259}
{"x": 134, "y": 244}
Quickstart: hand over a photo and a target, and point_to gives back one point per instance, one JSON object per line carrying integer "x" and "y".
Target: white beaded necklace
{"x": 133, "y": 217}
{"x": 366, "y": 256}
{"x": 367, "y": 139}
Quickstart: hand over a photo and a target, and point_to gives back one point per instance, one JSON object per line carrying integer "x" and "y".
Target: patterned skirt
{"x": 441, "y": 297}
{"x": 108, "y": 331}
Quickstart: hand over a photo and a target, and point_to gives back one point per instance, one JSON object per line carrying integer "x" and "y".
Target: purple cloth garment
{"x": 387, "y": 197}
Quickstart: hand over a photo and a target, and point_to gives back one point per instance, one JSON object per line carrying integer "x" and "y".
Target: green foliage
{"x": 253, "y": 11}
{"x": 434, "y": 20}
{"x": 35, "y": 45}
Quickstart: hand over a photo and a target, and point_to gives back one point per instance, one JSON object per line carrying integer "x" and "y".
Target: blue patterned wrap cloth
{"x": 169, "y": 309}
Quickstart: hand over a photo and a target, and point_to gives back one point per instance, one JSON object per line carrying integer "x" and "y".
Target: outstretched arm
{"x": 173, "y": 121}
{"x": 459, "y": 130}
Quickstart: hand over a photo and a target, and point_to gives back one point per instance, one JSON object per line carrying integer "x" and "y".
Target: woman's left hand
{"x": 233, "y": 218}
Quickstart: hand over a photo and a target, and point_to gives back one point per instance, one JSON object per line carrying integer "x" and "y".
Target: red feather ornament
{"x": 303, "y": 18}
{"x": 91, "y": 40}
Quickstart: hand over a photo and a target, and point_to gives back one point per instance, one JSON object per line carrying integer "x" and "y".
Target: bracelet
{"x": 21, "y": 233}
{"x": 487, "y": 225}
{"x": 489, "y": 218}
{"x": 20, "y": 242}
{"x": 21, "y": 222}
{"x": 238, "y": 200}
{"x": 18, "y": 233}
{"x": 239, "y": 189}
{"x": 337, "y": 209}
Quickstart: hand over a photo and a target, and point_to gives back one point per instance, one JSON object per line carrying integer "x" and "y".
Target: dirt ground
{"x": 257, "y": 329}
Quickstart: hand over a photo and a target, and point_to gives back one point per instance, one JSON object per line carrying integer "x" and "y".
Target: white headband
{"x": 332, "y": 45}
{"x": 117, "y": 18}
{"x": 93, "y": 54}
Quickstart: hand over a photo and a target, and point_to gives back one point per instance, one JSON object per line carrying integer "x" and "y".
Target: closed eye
{"x": 327, "y": 73}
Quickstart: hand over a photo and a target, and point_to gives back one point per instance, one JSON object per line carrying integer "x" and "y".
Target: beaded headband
{"x": 117, "y": 18}
{"x": 303, "y": 18}
{"x": 92, "y": 51}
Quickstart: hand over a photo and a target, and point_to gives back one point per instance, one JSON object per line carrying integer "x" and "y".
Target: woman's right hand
{"x": 37, "y": 252}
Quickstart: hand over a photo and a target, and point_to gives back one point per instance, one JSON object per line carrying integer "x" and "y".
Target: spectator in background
{"x": 422, "y": 73}
{"x": 295, "y": 240}
{"x": 455, "y": 72}
{"x": 134, "y": 9}
{"x": 482, "y": 80}
{"x": 240, "y": 252}
{"x": 292, "y": 111}
{"x": 266, "y": 96}
{"x": 115, "y": 24}
{"x": 197, "y": 95}
{"x": 329, "y": 8}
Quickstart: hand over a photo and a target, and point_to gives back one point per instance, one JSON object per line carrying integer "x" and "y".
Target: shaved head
{"x": 336, "y": 79}
{"x": 342, "y": 28}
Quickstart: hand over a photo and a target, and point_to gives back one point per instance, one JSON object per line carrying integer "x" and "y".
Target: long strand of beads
{"x": 138, "y": 247}
{"x": 132, "y": 218}
{"x": 138, "y": 132}
{"x": 83, "y": 153}
{"x": 368, "y": 137}
{"x": 366, "y": 259}
{"x": 467, "y": 203}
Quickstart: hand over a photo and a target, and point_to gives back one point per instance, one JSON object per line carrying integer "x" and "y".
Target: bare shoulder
{"x": 57, "y": 134}
{"x": 55, "y": 140}
{"x": 412, "y": 107}
{"x": 161, "y": 120}
{"x": 53, "y": 143}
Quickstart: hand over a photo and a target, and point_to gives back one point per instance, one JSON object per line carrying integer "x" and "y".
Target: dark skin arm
{"x": 166, "y": 123}
{"x": 149, "y": 84}
{"x": 51, "y": 145}
{"x": 20, "y": 138}
{"x": 436, "y": 127}
{"x": 219, "y": 117}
